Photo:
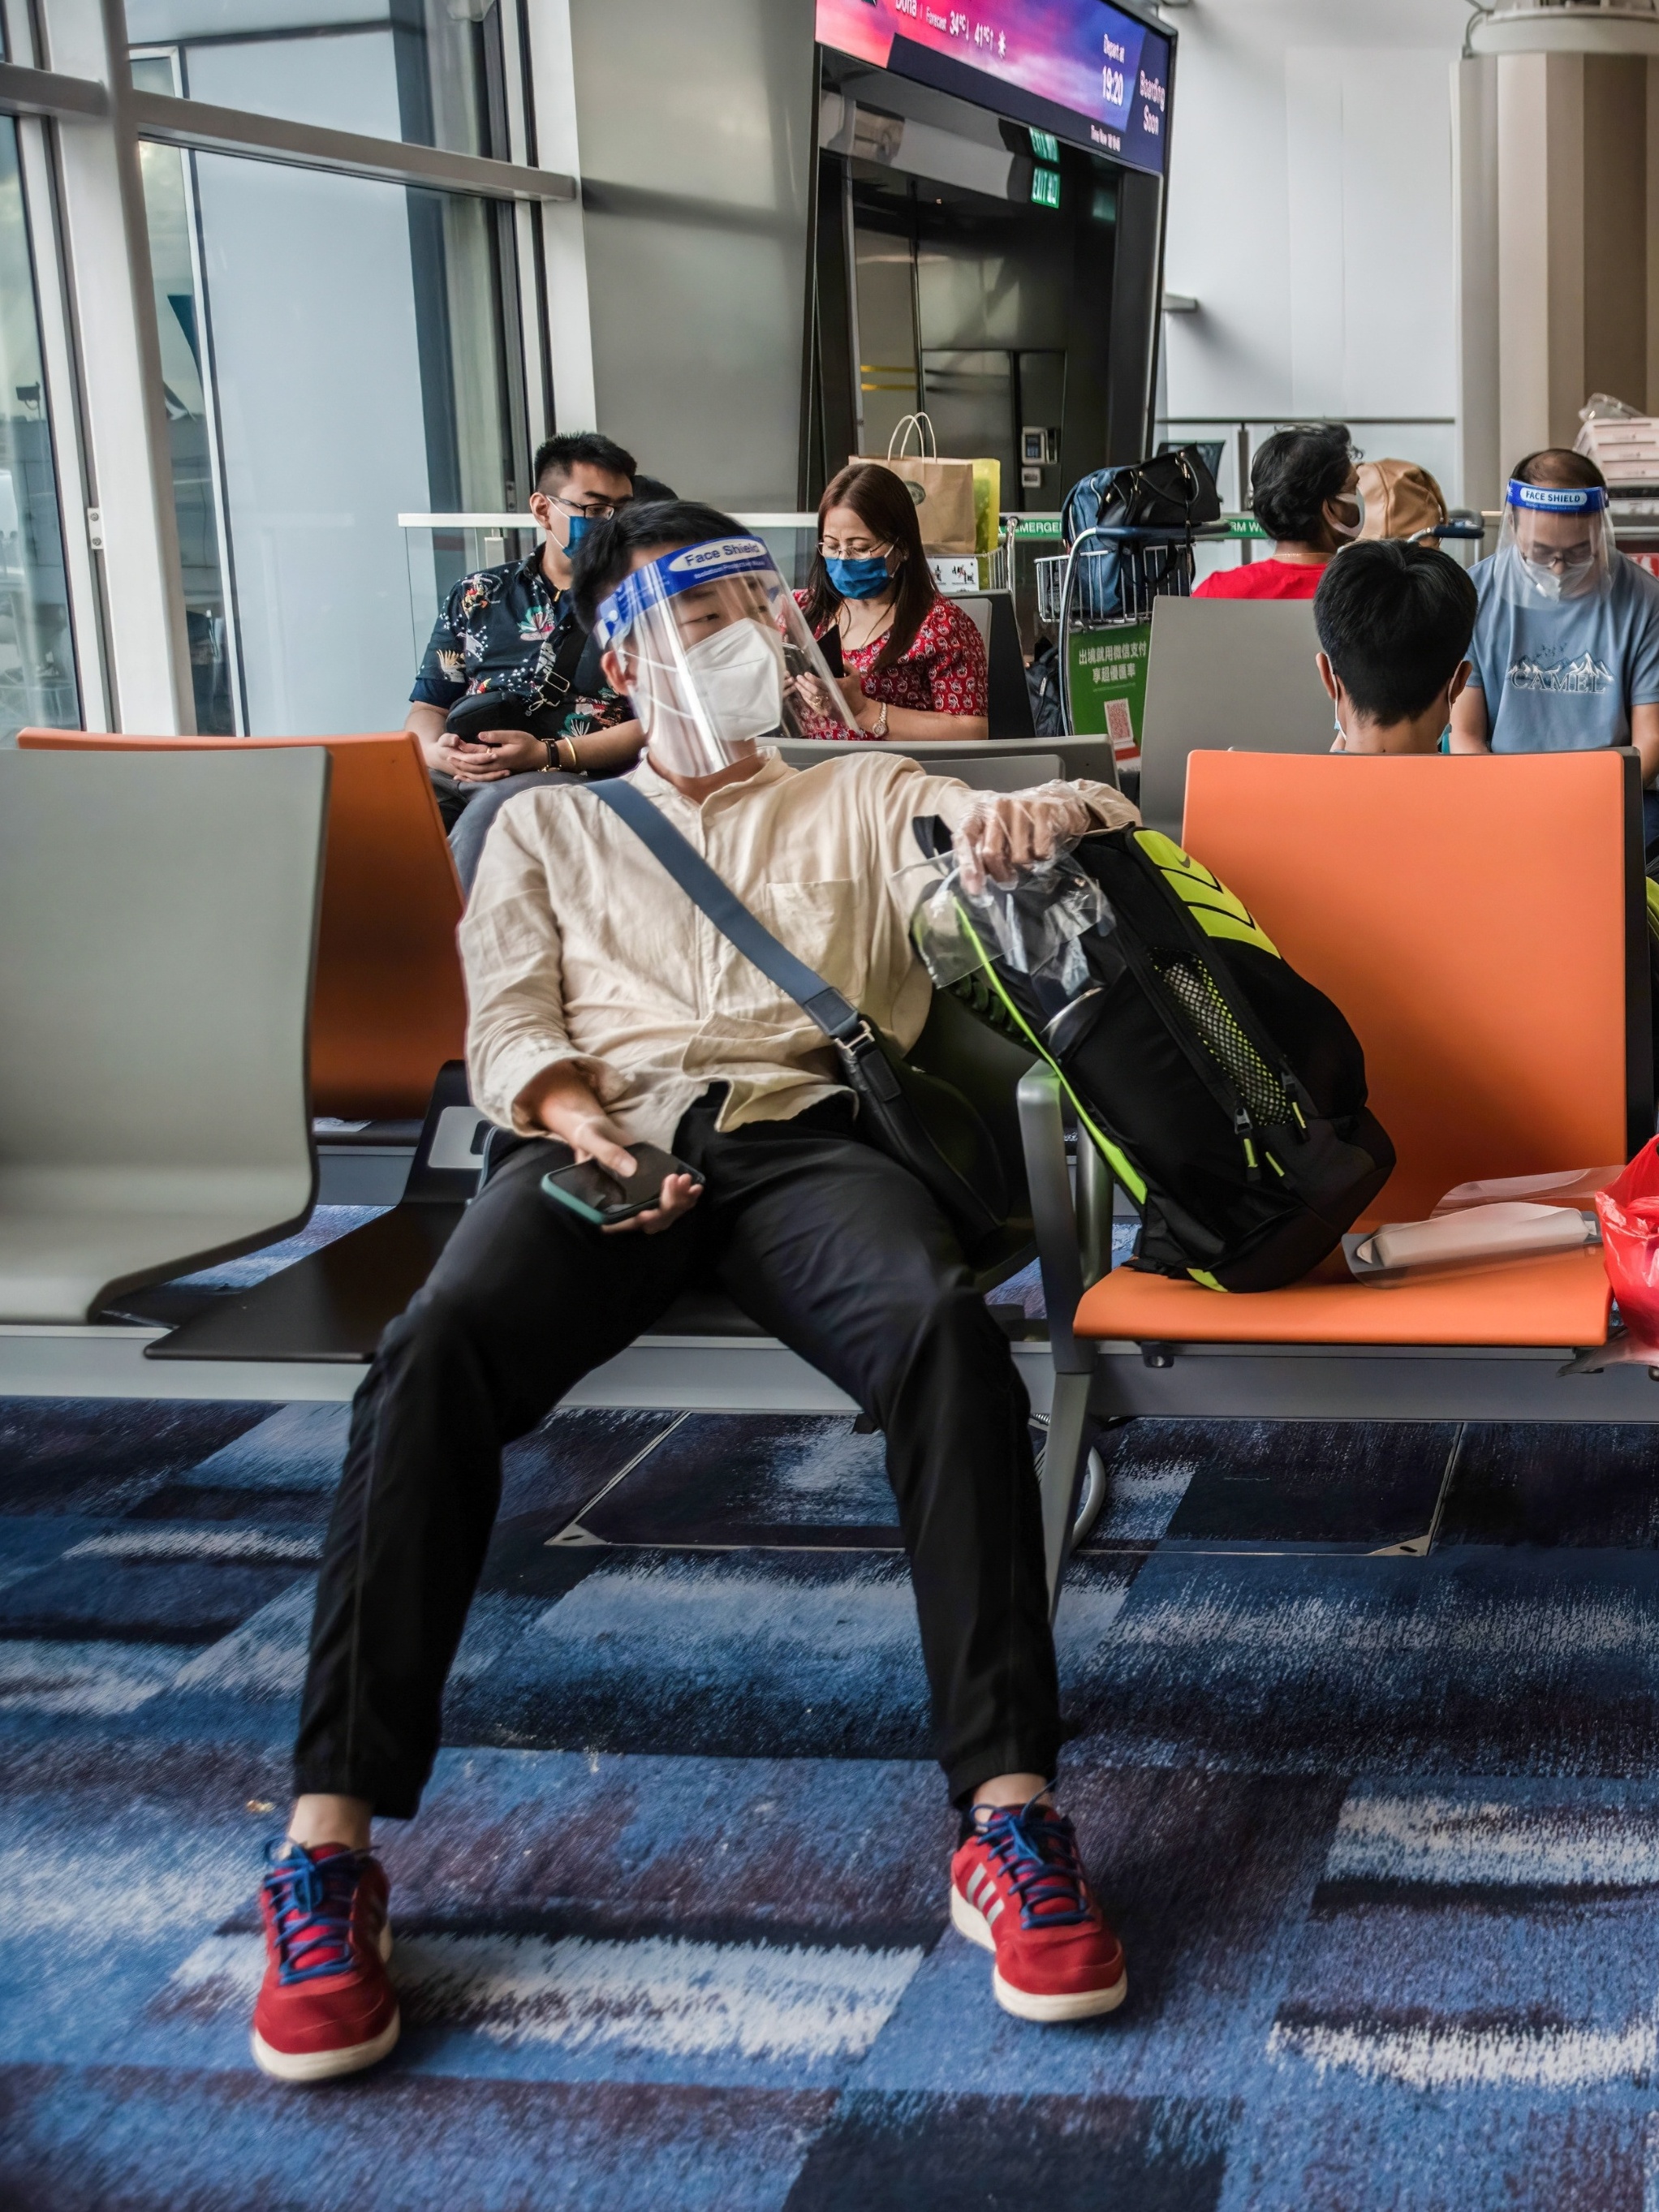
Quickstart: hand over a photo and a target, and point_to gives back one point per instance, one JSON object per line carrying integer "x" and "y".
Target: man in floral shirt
{"x": 510, "y": 635}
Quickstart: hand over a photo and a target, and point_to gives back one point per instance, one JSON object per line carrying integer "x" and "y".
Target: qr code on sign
{"x": 1120, "y": 725}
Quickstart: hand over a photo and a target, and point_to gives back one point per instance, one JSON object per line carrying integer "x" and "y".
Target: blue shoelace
{"x": 311, "y": 1906}
{"x": 1035, "y": 1849}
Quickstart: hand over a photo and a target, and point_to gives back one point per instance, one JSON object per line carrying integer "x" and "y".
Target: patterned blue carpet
{"x": 1381, "y": 1831}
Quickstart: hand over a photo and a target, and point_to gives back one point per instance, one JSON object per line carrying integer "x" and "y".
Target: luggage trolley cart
{"x": 1102, "y": 654}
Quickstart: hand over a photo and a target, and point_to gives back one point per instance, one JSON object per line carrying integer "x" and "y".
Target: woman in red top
{"x": 916, "y": 662}
{"x": 1304, "y": 491}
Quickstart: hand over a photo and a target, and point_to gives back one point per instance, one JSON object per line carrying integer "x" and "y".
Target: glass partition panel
{"x": 437, "y": 554}
{"x": 37, "y": 653}
{"x": 356, "y": 354}
{"x": 422, "y": 71}
{"x": 175, "y": 273}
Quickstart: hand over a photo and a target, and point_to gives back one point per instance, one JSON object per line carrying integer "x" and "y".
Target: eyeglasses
{"x": 854, "y": 549}
{"x": 596, "y": 510}
{"x": 1565, "y": 558}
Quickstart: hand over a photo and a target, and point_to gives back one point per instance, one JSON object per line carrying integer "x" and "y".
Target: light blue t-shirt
{"x": 1562, "y": 678}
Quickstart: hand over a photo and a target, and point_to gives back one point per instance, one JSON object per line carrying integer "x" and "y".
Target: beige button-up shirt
{"x": 577, "y": 944}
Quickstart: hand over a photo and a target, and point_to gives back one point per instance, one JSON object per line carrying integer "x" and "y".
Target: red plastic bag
{"x": 1629, "y": 1210}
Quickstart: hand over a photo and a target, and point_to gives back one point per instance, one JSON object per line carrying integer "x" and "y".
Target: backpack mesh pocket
{"x": 1193, "y": 989}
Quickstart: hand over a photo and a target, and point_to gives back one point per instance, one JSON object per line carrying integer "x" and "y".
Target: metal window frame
{"x": 80, "y": 123}
{"x": 199, "y": 125}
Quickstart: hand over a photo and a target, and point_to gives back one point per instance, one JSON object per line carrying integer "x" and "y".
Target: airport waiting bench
{"x": 389, "y": 1006}
{"x": 306, "y": 1331}
{"x": 159, "y": 913}
{"x": 1480, "y": 922}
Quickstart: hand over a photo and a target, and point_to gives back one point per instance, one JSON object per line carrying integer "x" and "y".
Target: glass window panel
{"x": 168, "y": 207}
{"x": 357, "y": 367}
{"x": 36, "y": 655}
{"x": 420, "y": 70}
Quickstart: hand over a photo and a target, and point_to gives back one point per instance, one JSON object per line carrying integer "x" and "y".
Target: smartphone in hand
{"x": 595, "y": 1196}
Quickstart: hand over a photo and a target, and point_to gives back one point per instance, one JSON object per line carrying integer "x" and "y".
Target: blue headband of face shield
{"x": 1558, "y": 499}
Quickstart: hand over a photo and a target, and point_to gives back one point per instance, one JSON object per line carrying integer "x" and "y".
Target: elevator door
{"x": 962, "y": 310}
{"x": 889, "y": 387}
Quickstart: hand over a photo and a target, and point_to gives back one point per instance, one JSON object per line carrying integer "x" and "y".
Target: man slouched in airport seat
{"x": 1566, "y": 642}
{"x": 1394, "y": 622}
{"x": 1304, "y": 492}
{"x": 605, "y": 1012}
{"x": 511, "y": 687}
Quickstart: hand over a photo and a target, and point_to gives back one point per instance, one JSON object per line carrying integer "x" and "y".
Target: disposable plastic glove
{"x": 1007, "y": 831}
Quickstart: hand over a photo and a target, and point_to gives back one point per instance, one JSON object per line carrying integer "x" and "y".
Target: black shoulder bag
{"x": 923, "y": 1123}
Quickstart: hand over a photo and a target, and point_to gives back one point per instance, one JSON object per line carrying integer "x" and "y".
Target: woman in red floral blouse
{"x": 916, "y": 662}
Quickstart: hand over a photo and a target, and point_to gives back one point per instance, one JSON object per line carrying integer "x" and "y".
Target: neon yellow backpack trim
{"x": 1118, "y": 1161}
{"x": 1216, "y": 909}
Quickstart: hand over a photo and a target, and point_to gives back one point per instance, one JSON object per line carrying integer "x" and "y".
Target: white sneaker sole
{"x": 326, "y": 2065}
{"x": 1079, "y": 2004}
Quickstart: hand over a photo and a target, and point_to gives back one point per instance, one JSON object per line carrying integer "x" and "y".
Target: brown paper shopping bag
{"x": 942, "y": 490}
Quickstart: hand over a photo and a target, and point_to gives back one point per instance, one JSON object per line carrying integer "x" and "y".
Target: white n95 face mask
{"x": 738, "y": 676}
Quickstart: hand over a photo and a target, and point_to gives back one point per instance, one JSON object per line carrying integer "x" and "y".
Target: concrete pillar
{"x": 1556, "y": 192}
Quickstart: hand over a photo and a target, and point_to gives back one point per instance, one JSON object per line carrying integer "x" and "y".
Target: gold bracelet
{"x": 574, "y": 764}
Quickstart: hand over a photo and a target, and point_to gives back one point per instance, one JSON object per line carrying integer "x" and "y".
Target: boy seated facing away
{"x": 1394, "y": 623}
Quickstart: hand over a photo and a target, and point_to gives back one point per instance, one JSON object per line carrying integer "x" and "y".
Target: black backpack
{"x": 1042, "y": 684}
{"x": 1226, "y": 1093}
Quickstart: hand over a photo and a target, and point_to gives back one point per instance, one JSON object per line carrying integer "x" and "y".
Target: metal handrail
{"x": 526, "y": 521}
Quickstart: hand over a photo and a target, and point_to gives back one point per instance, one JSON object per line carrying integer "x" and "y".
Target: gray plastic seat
{"x": 1008, "y": 702}
{"x": 158, "y": 914}
{"x": 1226, "y": 676}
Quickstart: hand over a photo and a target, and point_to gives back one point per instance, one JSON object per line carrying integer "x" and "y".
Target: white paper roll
{"x": 1480, "y": 1232}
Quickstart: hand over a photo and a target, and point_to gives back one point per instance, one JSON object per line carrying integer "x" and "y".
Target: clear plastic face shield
{"x": 1555, "y": 543}
{"x": 716, "y": 658}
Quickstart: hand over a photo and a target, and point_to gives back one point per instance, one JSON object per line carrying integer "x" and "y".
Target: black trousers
{"x": 825, "y": 1242}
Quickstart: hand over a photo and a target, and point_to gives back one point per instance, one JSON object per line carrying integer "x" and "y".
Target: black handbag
{"x": 921, "y": 1121}
{"x": 509, "y": 710}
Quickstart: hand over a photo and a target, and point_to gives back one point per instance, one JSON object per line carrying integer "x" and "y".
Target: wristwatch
{"x": 878, "y": 728}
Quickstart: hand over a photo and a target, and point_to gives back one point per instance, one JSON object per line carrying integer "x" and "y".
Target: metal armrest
{"x": 1042, "y": 1133}
{"x": 1095, "y": 1187}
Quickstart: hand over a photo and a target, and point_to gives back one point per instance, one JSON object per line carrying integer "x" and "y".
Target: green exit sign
{"x": 1045, "y": 145}
{"x": 1045, "y": 188}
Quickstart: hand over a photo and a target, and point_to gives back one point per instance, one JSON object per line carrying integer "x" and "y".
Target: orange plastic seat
{"x": 389, "y": 1007}
{"x": 1473, "y": 917}
{"x": 1558, "y": 1298}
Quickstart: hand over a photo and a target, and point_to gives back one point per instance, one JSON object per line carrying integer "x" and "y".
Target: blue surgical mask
{"x": 576, "y": 528}
{"x": 865, "y": 579}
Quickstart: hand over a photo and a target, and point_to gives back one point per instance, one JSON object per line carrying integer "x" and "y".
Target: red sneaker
{"x": 1018, "y": 1888}
{"x": 327, "y": 2005}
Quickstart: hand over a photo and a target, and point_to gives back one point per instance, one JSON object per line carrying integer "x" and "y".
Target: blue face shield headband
{"x": 1558, "y": 499}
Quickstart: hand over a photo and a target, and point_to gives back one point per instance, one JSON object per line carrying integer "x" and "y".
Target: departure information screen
{"x": 1079, "y": 68}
